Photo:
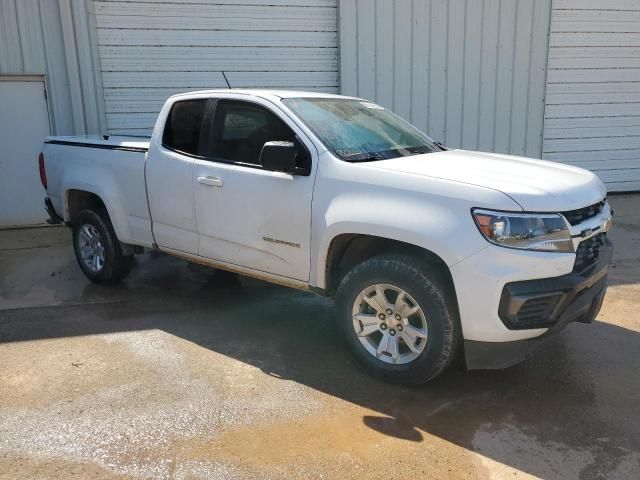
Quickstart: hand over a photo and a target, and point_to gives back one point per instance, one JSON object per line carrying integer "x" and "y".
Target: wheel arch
{"x": 346, "y": 250}
{"x": 81, "y": 197}
{"x": 76, "y": 200}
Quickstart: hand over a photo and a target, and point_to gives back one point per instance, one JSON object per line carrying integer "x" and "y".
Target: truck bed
{"x": 113, "y": 168}
{"x": 97, "y": 141}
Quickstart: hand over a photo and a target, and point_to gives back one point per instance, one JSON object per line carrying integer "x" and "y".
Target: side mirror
{"x": 279, "y": 156}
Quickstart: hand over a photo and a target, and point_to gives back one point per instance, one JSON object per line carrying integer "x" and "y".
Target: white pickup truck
{"x": 430, "y": 252}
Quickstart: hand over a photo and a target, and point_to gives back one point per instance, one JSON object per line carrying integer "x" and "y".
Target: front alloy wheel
{"x": 398, "y": 315}
{"x": 390, "y": 324}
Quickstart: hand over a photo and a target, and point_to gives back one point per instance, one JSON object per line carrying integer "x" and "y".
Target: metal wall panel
{"x": 53, "y": 38}
{"x": 470, "y": 73}
{"x": 149, "y": 50}
{"x": 592, "y": 116}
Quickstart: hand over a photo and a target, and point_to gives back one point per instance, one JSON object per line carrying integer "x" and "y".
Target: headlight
{"x": 527, "y": 231}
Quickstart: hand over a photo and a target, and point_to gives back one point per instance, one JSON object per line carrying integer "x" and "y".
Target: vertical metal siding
{"x": 52, "y": 38}
{"x": 592, "y": 117}
{"x": 149, "y": 50}
{"x": 471, "y": 73}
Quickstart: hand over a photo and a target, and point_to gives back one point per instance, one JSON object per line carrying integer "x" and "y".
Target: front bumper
{"x": 553, "y": 303}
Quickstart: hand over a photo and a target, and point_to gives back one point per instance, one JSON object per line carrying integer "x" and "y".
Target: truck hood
{"x": 536, "y": 185}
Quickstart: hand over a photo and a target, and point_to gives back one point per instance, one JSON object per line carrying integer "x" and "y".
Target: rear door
{"x": 246, "y": 215}
{"x": 170, "y": 176}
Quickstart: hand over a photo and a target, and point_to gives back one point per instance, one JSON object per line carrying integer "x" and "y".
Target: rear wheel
{"x": 97, "y": 248}
{"x": 399, "y": 318}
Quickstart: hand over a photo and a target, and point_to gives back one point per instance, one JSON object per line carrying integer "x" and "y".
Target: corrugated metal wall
{"x": 471, "y": 73}
{"x": 593, "y": 92}
{"x": 53, "y": 38}
{"x": 150, "y": 50}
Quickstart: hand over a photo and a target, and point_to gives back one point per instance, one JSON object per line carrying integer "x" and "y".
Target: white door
{"x": 248, "y": 216}
{"x": 169, "y": 175}
{"x": 24, "y": 123}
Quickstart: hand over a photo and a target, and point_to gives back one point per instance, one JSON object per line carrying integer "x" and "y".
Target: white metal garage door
{"x": 150, "y": 49}
{"x": 592, "y": 114}
{"x": 24, "y": 123}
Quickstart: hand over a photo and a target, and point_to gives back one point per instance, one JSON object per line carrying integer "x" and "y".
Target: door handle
{"x": 210, "y": 181}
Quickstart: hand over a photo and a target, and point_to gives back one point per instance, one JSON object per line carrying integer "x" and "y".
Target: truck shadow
{"x": 575, "y": 401}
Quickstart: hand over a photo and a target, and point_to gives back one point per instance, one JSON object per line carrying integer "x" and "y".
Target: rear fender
{"x": 110, "y": 194}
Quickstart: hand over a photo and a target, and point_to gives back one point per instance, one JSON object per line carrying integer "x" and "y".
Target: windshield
{"x": 360, "y": 131}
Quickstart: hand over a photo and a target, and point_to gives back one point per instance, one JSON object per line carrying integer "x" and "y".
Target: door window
{"x": 241, "y": 129}
{"x": 183, "y": 127}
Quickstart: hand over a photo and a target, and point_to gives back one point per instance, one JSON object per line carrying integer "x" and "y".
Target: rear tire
{"x": 415, "y": 335}
{"x": 97, "y": 248}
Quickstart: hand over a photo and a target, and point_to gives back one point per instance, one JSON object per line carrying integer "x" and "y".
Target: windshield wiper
{"x": 364, "y": 157}
{"x": 420, "y": 150}
{"x": 368, "y": 158}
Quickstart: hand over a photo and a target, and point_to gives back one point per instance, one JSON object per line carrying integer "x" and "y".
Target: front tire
{"x": 97, "y": 248}
{"x": 398, "y": 315}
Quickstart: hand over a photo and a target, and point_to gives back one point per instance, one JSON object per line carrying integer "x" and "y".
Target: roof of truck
{"x": 141, "y": 144}
{"x": 264, "y": 93}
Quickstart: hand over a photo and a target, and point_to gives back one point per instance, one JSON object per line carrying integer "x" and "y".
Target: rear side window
{"x": 184, "y": 124}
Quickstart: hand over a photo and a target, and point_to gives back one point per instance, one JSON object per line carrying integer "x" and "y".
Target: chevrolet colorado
{"x": 430, "y": 252}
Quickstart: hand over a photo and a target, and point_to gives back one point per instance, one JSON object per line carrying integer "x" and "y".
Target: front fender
{"x": 428, "y": 212}
{"x": 438, "y": 228}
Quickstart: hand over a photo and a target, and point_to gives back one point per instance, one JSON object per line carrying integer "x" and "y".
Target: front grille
{"x": 536, "y": 311}
{"x": 588, "y": 252}
{"x": 574, "y": 217}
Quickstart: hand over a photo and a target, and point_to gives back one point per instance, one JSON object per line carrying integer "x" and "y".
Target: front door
{"x": 248, "y": 216}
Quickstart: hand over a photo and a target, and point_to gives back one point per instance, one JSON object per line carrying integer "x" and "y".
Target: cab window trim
{"x": 208, "y": 124}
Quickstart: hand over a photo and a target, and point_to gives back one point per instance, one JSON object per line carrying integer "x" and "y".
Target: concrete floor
{"x": 184, "y": 373}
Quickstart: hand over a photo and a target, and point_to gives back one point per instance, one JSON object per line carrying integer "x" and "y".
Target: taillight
{"x": 43, "y": 173}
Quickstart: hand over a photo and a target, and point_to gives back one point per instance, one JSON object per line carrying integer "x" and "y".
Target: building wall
{"x": 53, "y": 38}
{"x": 470, "y": 73}
{"x": 592, "y": 117}
{"x": 149, "y": 50}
